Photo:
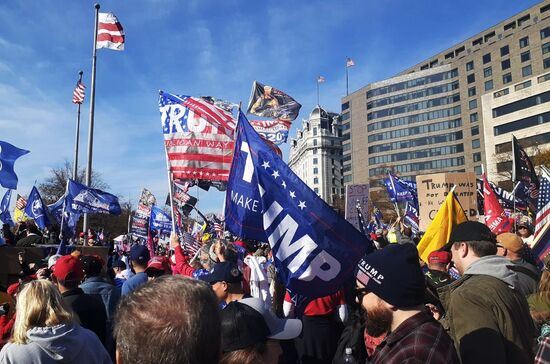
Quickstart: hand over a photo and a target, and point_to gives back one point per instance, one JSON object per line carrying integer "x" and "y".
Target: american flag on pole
{"x": 189, "y": 243}
{"x": 349, "y": 62}
{"x": 78, "y": 93}
{"x": 18, "y": 212}
{"x": 109, "y": 32}
{"x": 198, "y": 137}
{"x": 320, "y": 79}
{"x": 543, "y": 206}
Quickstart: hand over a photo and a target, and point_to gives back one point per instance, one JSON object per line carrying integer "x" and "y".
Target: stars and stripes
{"x": 109, "y": 32}
{"x": 543, "y": 207}
{"x": 78, "y": 93}
{"x": 189, "y": 243}
{"x": 20, "y": 203}
{"x": 349, "y": 62}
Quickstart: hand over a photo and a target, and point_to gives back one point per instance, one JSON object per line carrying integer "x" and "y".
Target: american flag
{"x": 349, "y": 62}
{"x": 218, "y": 228}
{"x": 78, "y": 93}
{"x": 109, "y": 32}
{"x": 543, "y": 205}
{"x": 20, "y": 203}
{"x": 320, "y": 79}
{"x": 190, "y": 244}
{"x": 198, "y": 137}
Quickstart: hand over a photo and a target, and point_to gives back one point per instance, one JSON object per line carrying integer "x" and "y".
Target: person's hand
{"x": 174, "y": 241}
{"x": 43, "y": 273}
{"x": 21, "y": 257}
{"x": 219, "y": 249}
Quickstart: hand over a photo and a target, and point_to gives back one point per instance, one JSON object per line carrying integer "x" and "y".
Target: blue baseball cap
{"x": 139, "y": 254}
{"x": 223, "y": 272}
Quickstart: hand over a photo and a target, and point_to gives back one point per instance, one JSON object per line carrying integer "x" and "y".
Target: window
{"x": 473, "y": 117}
{"x": 315, "y": 160}
{"x": 316, "y": 190}
{"x": 531, "y": 101}
{"x": 543, "y": 78}
{"x": 526, "y": 71}
{"x": 471, "y": 78}
{"x": 477, "y": 41}
{"x": 477, "y": 157}
{"x": 504, "y": 51}
{"x": 477, "y": 170}
{"x": 470, "y": 66}
{"x": 507, "y": 78}
{"x": 475, "y": 130}
{"x": 521, "y": 86}
{"x": 486, "y": 58}
{"x": 545, "y": 33}
{"x": 314, "y": 131}
{"x": 523, "y": 19}
{"x": 316, "y": 180}
{"x": 524, "y": 42}
{"x": 505, "y": 64}
{"x": 504, "y": 91}
{"x": 472, "y": 104}
{"x": 314, "y": 141}
{"x": 489, "y": 36}
{"x": 488, "y": 85}
{"x": 546, "y": 63}
{"x": 522, "y": 123}
{"x": 525, "y": 56}
{"x": 314, "y": 150}
{"x": 471, "y": 91}
{"x": 476, "y": 144}
{"x": 509, "y": 26}
{"x": 345, "y": 106}
{"x": 488, "y": 71}
{"x": 545, "y": 48}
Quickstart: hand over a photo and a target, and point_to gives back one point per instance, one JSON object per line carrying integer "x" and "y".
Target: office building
{"x": 430, "y": 118}
{"x": 316, "y": 154}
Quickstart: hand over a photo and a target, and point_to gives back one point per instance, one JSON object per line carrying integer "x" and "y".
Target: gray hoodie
{"x": 494, "y": 266}
{"x": 66, "y": 343}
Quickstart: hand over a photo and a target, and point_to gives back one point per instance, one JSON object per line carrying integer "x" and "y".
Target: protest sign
{"x": 433, "y": 188}
{"x": 354, "y": 194}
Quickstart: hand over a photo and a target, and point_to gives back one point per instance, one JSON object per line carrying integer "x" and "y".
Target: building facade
{"x": 429, "y": 118}
{"x": 316, "y": 154}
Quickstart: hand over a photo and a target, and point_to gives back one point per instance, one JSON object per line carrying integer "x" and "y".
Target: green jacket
{"x": 487, "y": 317}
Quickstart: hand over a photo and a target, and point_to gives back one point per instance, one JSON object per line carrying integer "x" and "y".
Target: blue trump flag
{"x": 8, "y": 156}
{"x": 36, "y": 210}
{"x": 90, "y": 200}
{"x": 160, "y": 221}
{"x": 314, "y": 249}
{"x": 400, "y": 190}
{"x": 5, "y": 215}
{"x": 63, "y": 212}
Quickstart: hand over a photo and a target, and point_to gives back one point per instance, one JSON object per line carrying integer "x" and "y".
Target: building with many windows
{"x": 429, "y": 118}
{"x": 316, "y": 154}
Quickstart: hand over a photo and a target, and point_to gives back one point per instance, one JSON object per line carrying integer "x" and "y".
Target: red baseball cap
{"x": 440, "y": 257}
{"x": 158, "y": 263}
{"x": 68, "y": 267}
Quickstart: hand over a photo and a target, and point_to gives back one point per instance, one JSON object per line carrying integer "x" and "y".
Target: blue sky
{"x": 199, "y": 47}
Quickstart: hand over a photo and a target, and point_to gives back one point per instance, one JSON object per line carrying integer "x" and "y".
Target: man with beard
{"x": 390, "y": 287}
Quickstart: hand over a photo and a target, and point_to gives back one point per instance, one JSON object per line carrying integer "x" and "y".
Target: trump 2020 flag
{"x": 314, "y": 249}
{"x": 36, "y": 210}
{"x": 495, "y": 218}
{"x": 8, "y": 156}
{"x": 160, "y": 220}
{"x": 91, "y": 200}
{"x": 5, "y": 215}
{"x": 63, "y": 212}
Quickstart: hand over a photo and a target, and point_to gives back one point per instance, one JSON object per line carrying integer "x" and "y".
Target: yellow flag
{"x": 19, "y": 215}
{"x": 437, "y": 235}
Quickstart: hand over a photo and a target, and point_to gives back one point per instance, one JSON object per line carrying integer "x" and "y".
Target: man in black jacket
{"x": 67, "y": 275}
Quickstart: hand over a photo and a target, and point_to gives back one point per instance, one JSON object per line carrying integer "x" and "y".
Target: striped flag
{"x": 18, "y": 212}
{"x": 190, "y": 244}
{"x": 109, "y": 32}
{"x": 320, "y": 79}
{"x": 198, "y": 137}
{"x": 350, "y": 63}
{"x": 78, "y": 93}
{"x": 543, "y": 208}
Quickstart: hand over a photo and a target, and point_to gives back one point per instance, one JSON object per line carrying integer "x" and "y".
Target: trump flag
{"x": 314, "y": 249}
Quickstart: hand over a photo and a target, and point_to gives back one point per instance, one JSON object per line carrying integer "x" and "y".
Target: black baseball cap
{"x": 224, "y": 272}
{"x": 469, "y": 231}
{"x": 241, "y": 327}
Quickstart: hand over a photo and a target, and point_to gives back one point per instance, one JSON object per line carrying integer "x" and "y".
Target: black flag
{"x": 523, "y": 170}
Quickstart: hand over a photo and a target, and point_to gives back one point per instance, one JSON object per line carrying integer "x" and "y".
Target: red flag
{"x": 495, "y": 218}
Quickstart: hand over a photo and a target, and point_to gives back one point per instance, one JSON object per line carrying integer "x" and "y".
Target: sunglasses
{"x": 360, "y": 293}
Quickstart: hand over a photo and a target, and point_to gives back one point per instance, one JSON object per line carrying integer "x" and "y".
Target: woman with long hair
{"x": 46, "y": 330}
{"x": 539, "y": 302}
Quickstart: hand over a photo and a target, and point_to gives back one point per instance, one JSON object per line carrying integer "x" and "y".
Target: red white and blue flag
{"x": 78, "y": 93}
{"x": 543, "y": 207}
{"x": 109, "y": 32}
{"x": 495, "y": 218}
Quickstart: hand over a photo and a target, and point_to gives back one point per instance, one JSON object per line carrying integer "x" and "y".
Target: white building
{"x": 316, "y": 154}
{"x": 522, "y": 110}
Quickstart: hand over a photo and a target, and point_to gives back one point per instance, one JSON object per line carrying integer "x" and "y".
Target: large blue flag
{"x": 63, "y": 213}
{"x": 314, "y": 249}
{"x": 91, "y": 200}
{"x": 401, "y": 190}
{"x": 36, "y": 210}
{"x": 5, "y": 215}
{"x": 160, "y": 221}
{"x": 8, "y": 156}
{"x": 411, "y": 217}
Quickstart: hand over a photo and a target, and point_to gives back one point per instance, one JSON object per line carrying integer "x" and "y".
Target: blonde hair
{"x": 39, "y": 305}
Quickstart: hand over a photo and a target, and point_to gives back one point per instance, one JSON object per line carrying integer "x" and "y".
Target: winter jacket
{"x": 105, "y": 291}
{"x": 487, "y": 316}
{"x": 66, "y": 343}
{"x": 403, "y": 239}
{"x": 90, "y": 311}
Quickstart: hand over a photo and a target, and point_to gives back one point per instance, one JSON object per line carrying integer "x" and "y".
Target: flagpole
{"x": 395, "y": 191}
{"x": 318, "y": 92}
{"x": 347, "y": 83}
{"x": 63, "y": 210}
{"x": 92, "y": 104}
{"x": 170, "y": 193}
{"x": 77, "y": 136}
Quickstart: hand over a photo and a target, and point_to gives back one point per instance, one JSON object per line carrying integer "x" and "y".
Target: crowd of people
{"x": 481, "y": 298}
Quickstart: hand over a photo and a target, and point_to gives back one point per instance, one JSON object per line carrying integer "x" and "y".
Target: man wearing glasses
{"x": 390, "y": 288}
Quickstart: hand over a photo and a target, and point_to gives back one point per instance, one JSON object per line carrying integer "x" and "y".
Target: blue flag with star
{"x": 5, "y": 215}
{"x": 36, "y": 210}
{"x": 315, "y": 250}
{"x": 8, "y": 156}
{"x": 64, "y": 213}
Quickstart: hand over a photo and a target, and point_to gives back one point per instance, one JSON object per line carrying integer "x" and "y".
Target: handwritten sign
{"x": 354, "y": 194}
